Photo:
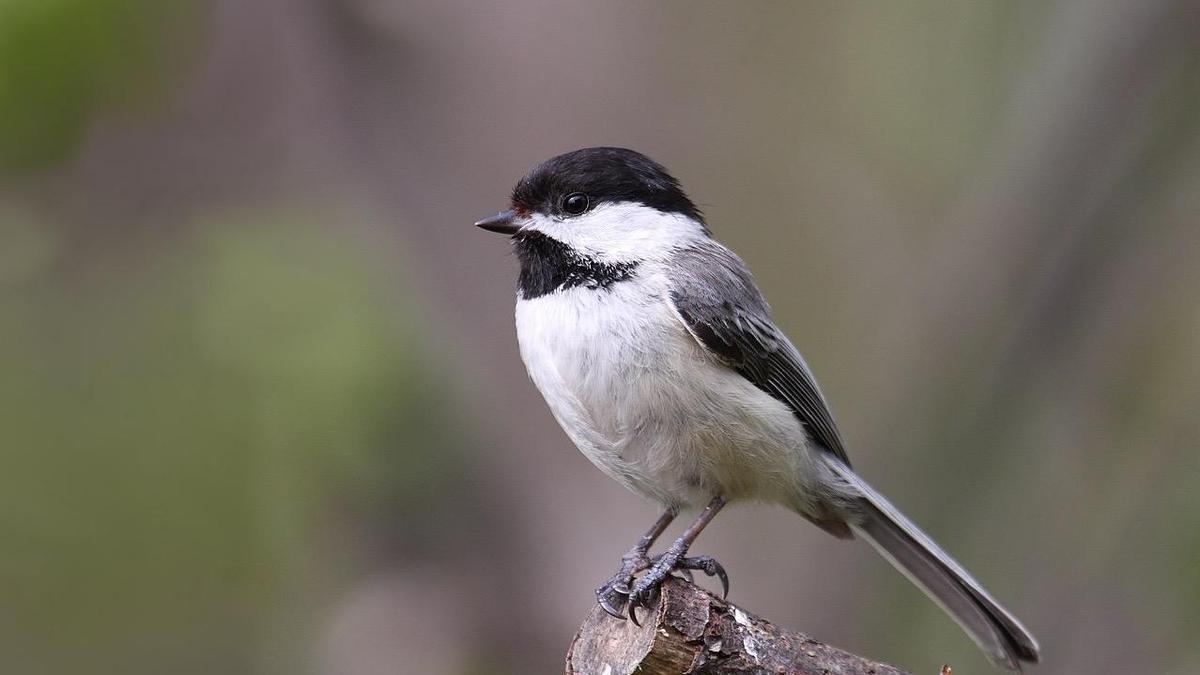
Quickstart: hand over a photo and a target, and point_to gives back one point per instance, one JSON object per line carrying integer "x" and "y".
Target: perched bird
{"x": 658, "y": 356}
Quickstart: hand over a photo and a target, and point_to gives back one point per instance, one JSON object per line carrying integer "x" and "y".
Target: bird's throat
{"x": 548, "y": 265}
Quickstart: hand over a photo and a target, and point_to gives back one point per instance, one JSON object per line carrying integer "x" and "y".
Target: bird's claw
{"x": 615, "y": 592}
{"x": 608, "y": 605}
{"x": 633, "y": 615}
{"x": 645, "y": 589}
{"x": 612, "y": 597}
{"x": 708, "y": 565}
{"x": 622, "y": 595}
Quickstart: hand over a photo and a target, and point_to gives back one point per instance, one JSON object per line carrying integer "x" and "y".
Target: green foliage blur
{"x": 174, "y": 430}
{"x": 180, "y": 414}
{"x": 63, "y": 60}
{"x": 175, "y": 425}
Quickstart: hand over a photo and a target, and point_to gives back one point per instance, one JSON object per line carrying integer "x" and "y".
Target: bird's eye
{"x": 575, "y": 203}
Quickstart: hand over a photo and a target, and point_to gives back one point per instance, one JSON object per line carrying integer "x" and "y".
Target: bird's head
{"x": 606, "y": 203}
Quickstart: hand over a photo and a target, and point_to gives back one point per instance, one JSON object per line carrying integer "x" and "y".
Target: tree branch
{"x": 693, "y": 631}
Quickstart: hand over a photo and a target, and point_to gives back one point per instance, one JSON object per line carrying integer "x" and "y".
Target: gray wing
{"x": 715, "y": 296}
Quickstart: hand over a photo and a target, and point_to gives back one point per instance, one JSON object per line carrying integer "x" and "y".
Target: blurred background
{"x": 261, "y": 408}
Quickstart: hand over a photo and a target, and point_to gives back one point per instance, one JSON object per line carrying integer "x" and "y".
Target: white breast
{"x": 649, "y": 406}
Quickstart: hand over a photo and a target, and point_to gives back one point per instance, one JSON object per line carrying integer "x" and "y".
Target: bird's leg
{"x": 613, "y": 593}
{"x": 675, "y": 558}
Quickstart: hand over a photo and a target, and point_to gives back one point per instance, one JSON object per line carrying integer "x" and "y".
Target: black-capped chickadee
{"x": 658, "y": 356}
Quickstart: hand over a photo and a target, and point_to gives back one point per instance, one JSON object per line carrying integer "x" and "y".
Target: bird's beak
{"x": 503, "y": 223}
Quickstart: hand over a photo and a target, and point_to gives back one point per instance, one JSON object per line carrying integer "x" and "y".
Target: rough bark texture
{"x": 694, "y": 632}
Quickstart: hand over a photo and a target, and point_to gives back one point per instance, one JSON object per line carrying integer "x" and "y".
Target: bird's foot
{"x": 646, "y": 588}
{"x": 615, "y": 592}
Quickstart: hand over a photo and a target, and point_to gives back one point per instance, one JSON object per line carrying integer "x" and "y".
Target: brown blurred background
{"x": 261, "y": 408}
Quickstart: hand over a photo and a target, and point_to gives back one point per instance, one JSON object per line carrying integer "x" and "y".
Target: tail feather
{"x": 996, "y": 631}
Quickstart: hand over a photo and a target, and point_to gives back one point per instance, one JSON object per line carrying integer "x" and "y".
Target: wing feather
{"x": 715, "y": 296}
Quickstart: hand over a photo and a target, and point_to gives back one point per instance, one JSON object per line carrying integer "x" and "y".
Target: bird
{"x": 656, "y": 353}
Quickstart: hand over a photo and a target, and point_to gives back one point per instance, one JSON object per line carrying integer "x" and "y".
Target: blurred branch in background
{"x": 1042, "y": 279}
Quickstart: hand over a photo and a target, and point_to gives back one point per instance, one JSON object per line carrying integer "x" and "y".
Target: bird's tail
{"x": 996, "y": 631}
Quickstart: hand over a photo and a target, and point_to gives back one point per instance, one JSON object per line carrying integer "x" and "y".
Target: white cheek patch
{"x": 622, "y": 231}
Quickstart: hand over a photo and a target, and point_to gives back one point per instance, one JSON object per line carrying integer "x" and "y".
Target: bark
{"x": 694, "y": 632}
